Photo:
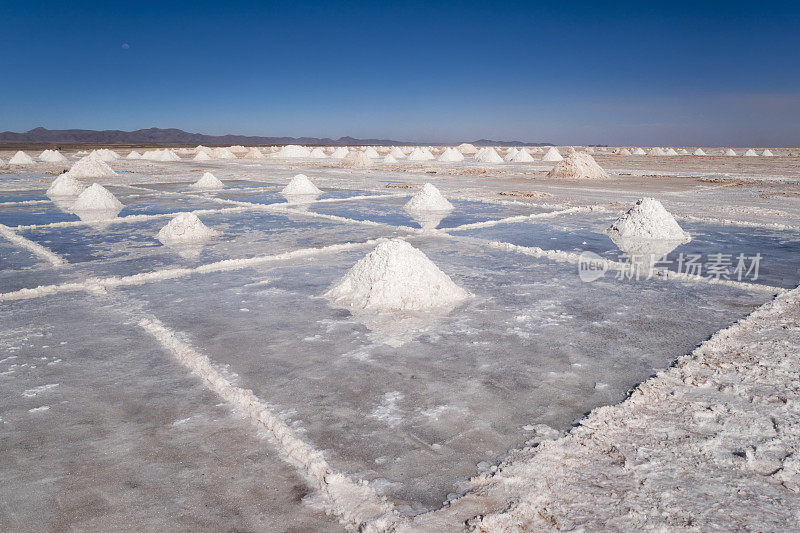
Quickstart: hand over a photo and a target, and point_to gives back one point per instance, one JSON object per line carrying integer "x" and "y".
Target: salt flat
{"x": 126, "y": 364}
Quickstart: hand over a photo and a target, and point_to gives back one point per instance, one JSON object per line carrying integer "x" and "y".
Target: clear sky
{"x": 669, "y": 73}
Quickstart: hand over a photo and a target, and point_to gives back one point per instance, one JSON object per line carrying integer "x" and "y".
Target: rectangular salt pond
{"x": 578, "y": 232}
{"x": 100, "y": 428}
{"x": 122, "y": 249}
{"x": 390, "y": 211}
{"x": 419, "y": 403}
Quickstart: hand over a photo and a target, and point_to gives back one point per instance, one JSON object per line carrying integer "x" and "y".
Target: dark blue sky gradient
{"x": 714, "y": 73}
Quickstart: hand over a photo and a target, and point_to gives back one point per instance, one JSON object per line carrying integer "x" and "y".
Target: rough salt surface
{"x": 648, "y": 219}
{"x": 208, "y": 182}
{"x": 96, "y": 198}
{"x": 301, "y": 185}
{"x": 395, "y": 276}
{"x": 185, "y": 228}
{"x": 428, "y": 199}
{"x": 65, "y": 185}
{"x": 578, "y": 165}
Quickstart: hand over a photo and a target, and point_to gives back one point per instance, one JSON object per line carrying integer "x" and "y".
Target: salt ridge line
{"x": 346, "y": 220}
{"x": 519, "y": 218}
{"x": 31, "y": 246}
{"x": 100, "y": 285}
{"x": 743, "y": 223}
{"x": 132, "y": 218}
{"x": 574, "y": 258}
{"x": 25, "y": 202}
{"x": 355, "y": 503}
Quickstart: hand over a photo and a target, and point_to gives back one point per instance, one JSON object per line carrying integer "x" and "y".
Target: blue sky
{"x": 707, "y": 73}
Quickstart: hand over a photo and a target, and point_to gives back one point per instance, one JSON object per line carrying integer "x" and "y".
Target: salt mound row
{"x": 238, "y": 149}
{"x": 371, "y": 152}
{"x": 90, "y": 167}
{"x": 395, "y": 276}
{"x": 104, "y": 154}
{"x": 750, "y": 153}
{"x": 699, "y": 151}
{"x": 451, "y": 155}
{"x": 185, "y": 228}
{"x": 317, "y": 153}
{"x": 300, "y": 185}
{"x": 340, "y": 153}
{"x": 657, "y": 152}
{"x": 202, "y": 156}
{"x": 488, "y": 155}
{"x": 208, "y": 182}
{"x": 134, "y": 155}
{"x": 21, "y": 158}
{"x": 428, "y": 199}
{"x": 467, "y": 149}
{"x": 97, "y": 198}
{"x": 160, "y": 155}
{"x": 578, "y": 165}
{"x": 552, "y": 155}
{"x": 52, "y": 156}
{"x": 522, "y": 157}
{"x": 65, "y": 185}
{"x": 729, "y": 152}
{"x": 254, "y": 153}
{"x": 397, "y": 153}
{"x": 639, "y": 151}
{"x": 223, "y": 153}
{"x": 767, "y": 153}
{"x": 355, "y": 159}
{"x": 389, "y": 159}
{"x": 292, "y": 151}
{"x": 648, "y": 219}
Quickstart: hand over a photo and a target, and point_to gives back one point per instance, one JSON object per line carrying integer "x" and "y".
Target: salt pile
{"x": 317, "y": 153}
{"x": 428, "y": 199}
{"x": 301, "y": 185}
{"x": 552, "y": 155}
{"x": 160, "y": 155}
{"x": 223, "y": 153}
{"x": 657, "y": 152}
{"x": 371, "y": 152}
{"x": 648, "y": 219}
{"x": 451, "y": 155}
{"x": 750, "y": 153}
{"x": 467, "y": 149}
{"x": 670, "y": 151}
{"x": 639, "y": 151}
{"x": 730, "y": 153}
{"x": 254, "y": 153}
{"x": 340, "y": 153}
{"x": 104, "y": 154}
{"x": 65, "y": 185}
{"x": 202, "y": 156}
{"x": 488, "y": 155}
{"x": 389, "y": 159}
{"x": 97, "y": 198}
{"x": 21, "y": 158}
{"x": 185, "y": 228}
{"x": 522, "y": 157}
{"x": 355, "y": 159}
{"x": 428, "y": 154}
{"x": 395, "y": 276}
{"x": 683, "y": 151}
{"x": 417, "y": 155}
{"x": 2, "y": 162}
{"x": 208, "y": 182}
{"x": 577, "y": 166}
{"x": 767, "y": 153}
{"x": 397, "y": 153}
{"x": 510, "y": 154}
{"x": 624, "y": 151}
{"x": 90, "y": 167}
{"x": 699, "y": 151}
{"x": 134, "y": 155}
{"x": 52, "y": 156}
{"x": 238, "y": 149}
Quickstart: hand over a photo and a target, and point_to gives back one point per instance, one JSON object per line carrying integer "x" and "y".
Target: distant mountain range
{"x": 172, "y": 136}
